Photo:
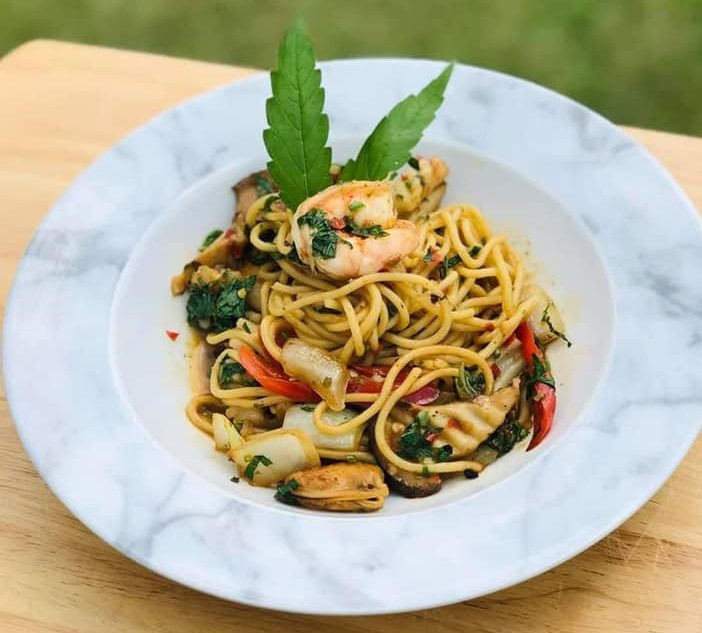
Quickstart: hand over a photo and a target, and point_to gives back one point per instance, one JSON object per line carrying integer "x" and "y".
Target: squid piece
{"x": 266, "y": 458}
{"x": 352, "y": 229}
{"x": 465, "y": 425}
{"x": 420, "y": 190}
{"x": 338, "y": 488}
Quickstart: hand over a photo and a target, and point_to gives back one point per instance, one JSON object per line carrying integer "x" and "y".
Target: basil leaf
{"x": 209, "y": 238}
{"x": 298, "y": 128}
{"x": 389, "y": 145}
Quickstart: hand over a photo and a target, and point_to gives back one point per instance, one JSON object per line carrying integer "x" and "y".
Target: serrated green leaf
{"x": 389, "y": 145}
{"x": 298, "y": 128}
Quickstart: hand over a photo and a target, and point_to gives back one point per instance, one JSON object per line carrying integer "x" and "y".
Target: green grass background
{"x": 638, "y": 62}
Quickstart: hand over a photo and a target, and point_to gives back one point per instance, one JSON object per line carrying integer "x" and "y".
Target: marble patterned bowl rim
{"x": 593, "y": 142}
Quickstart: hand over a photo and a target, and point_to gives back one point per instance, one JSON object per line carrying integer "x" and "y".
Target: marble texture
{"x": 95, "y": 456}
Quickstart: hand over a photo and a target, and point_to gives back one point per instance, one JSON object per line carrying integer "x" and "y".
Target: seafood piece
{"x": 423, "y": 187}
{"x": 352, "y": 229}
{"x": 339, "y": 488}
{"x": 464, "y": 425}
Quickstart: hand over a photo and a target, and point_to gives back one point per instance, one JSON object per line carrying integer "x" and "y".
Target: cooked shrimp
{"x": 417, "y": 186}
{"x": 352, "y": 208}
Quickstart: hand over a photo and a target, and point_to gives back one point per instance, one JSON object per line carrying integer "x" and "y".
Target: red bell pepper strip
{"x": 271, "y": 376}
{"x": 544, "y": 395}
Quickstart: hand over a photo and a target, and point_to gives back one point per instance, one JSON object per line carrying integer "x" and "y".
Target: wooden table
{"x": 60, "y": 106}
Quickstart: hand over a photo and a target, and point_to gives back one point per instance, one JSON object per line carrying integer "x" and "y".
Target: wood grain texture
{"x": 60, "y": 106}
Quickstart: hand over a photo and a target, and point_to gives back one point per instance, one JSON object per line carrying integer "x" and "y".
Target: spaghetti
{"x": 435, "y": 356}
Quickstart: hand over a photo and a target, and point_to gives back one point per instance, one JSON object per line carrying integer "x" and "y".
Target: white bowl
{"x": 557, "y": 243}
{"x": 90, "y": 373}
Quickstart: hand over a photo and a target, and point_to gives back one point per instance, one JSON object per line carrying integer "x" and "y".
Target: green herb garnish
{"x": 215, "y": 307}
{"x": 229, "y": 369}
{"x": 209, "y": 238}
{"x": 363, "y": 231}
{"x": 427, "y": 255}
{"x": 473, "y": 252}
{"x": 389, "y": 145}
{"x": 414, "y": 443}
{"x": 298, "y": 128}
{"x": 545, "y": 318}
{"x": 324, "y": 238}
{"x": 448, "y": 264}
{"x": 284, "y": 492}
{"x": 263, "y": 185}
{"x": 469, "y": 383}
{"x": 325, "y": 310}
{"x": 245, "y": 327}
{"x": 250, "y": 470}
{"x": 541, "y": 373}
{"x": 506, "y": 436}
{"x": 413, "y": 163}
{"x": 268, "y": 204}
{"x": 307, "y": 407}
{"x": 356, "y": 205}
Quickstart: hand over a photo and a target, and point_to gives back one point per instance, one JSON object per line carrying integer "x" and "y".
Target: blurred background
{"x": 638, "y": 62}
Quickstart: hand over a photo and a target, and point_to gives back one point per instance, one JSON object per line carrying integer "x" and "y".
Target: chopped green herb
{"x": 263, "y": 185}
{"x": 307, "y": 407}
{"x": 506, "y": 436}
{"x": 469, "y": 383}
{"x": 209, "y": 238}
{"x": 324, "y": 238}
{"x": 448, "y": 264}
{"x": 250, "y": 470}
{"x": 245, "y": 327}
{"x": 284, "y": 492}
{"x": 325, "y": 310}
{"x": 356, "y": 205}
{"x": 545, "y": 318}
{"x": 294, "y": 257}
{"x": 268, "y": 204}
{"x": 392, "y": 310}
{"x": 298, "y": 128}
{"x": 235, "y": 479}
{"x": 497, "y": 353}
{"x": 414, "y": 443}
{"x": 427, "y": 255}
{"x": 475, "y": 250}
{"x": 351, "y": 459}
{"x": 443, "y": 454}
{"x": 364, "y": 231}
{"x": 389, "y": 145}
{"x": 425, "y": 471}
{"x": 541, "y": 373}
{"x": 327, "y": 382}
{"x": 229, "y": 369}
{"x": 211, "y": 307}
{"x": 413, "y": 163}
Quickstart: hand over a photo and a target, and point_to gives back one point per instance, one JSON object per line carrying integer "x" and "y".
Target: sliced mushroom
{"x": 199, "y": 368}
{"x": 230, "y": 245}
{"x": 339, "y": 488}
{"x": 407, "y": 484}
